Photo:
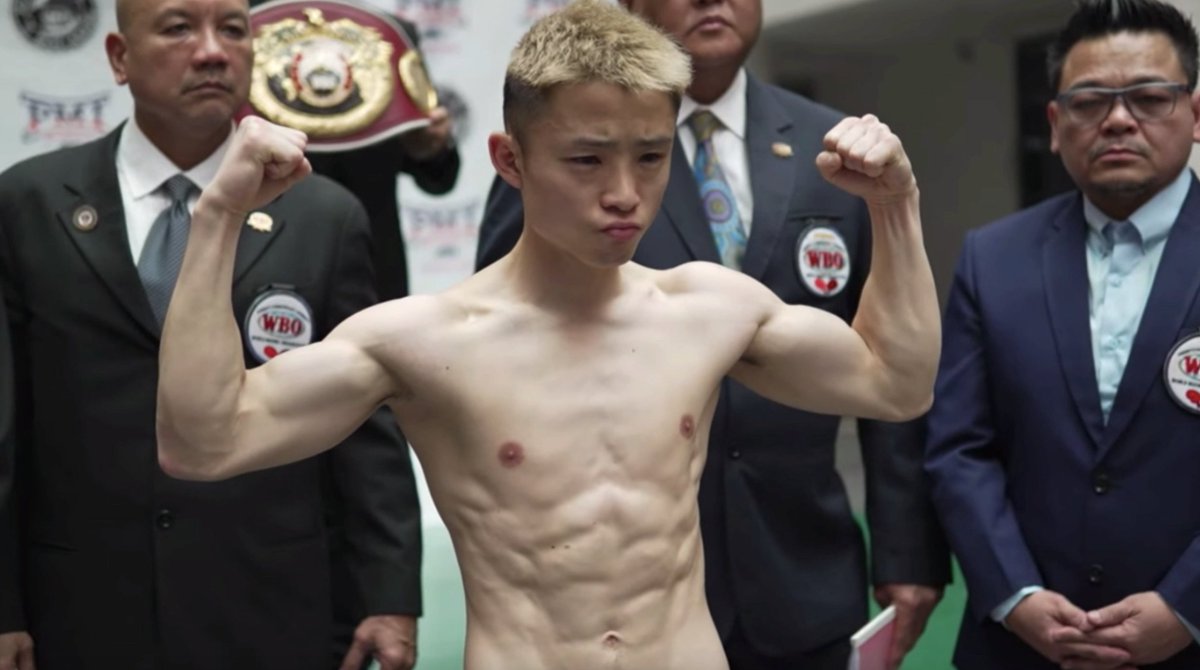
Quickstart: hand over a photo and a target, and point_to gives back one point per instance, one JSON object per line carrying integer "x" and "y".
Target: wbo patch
{"x": 278, "y": 320}
{"x": 823, "y": 261}
{"x": 1181, "y": 373}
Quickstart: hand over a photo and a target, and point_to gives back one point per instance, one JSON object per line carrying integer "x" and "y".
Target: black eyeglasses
{"x": 1146, "y": 102}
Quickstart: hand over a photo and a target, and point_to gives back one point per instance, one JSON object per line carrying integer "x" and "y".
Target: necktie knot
{"x": 1122, "y": 232}
{"x": 179, "y": 188}
{"x": 703, "y": 124}
{"x": 1125, "y": 246}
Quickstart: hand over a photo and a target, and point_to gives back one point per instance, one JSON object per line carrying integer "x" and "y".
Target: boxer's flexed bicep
{"x": 797, "y": 355}
{"x": 810, "y": 359}
{"x": 307, "y": 400}
{"x": 299, "y": 403}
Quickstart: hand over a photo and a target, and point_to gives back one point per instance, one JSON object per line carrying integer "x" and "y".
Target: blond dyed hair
{"x": 590, "y": 41}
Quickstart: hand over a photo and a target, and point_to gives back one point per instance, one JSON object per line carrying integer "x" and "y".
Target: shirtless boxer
{"x": 560, "y": 400}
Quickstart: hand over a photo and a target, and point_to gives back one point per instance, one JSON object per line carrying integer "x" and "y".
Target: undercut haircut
{"x": 1100, "y": 18}
{"x": 590, "y": 41}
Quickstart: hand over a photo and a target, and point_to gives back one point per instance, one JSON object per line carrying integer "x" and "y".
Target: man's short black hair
{"x": 1098, "y": 18}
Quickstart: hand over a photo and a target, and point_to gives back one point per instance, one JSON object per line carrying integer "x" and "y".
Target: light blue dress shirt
{"x": 1122, "y": 259}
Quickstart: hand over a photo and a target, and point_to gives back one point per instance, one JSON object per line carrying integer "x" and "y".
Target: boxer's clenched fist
{"x": 263, "y": 161}
{"x": 863, "y": 157}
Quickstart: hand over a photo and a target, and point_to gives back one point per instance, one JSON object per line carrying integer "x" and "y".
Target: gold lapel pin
{"x": 782, "y": 150}
{"x": 260, "y": 221}
{"x": 85, "y": 218}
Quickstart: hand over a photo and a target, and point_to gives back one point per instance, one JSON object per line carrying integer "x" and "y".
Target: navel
{"x": 687, "y": 426}
{"x": 510, "y": 454}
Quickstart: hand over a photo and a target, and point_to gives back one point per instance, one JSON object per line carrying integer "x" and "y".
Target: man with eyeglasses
{"x": 1064, "y": 443}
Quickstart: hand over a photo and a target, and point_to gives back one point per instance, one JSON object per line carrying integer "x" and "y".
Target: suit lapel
{"x": 106, "y": 246}
{"x": 681, "y": 207}
{"x": 1064, "y": 268}
{"x": 252, "y": 243}
{"x": 1174, "y": 289}
{"x": 772, "y": 177}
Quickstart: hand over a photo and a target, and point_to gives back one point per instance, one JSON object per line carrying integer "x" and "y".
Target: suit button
{"x": 1096, "y": 574}
{"x": 165, "y": 519}
{"x": 1101, "y": 483}
{"x": 735, "y": 454}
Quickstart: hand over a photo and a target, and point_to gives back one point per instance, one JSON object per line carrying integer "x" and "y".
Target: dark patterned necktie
{"x": 162, "y": 255}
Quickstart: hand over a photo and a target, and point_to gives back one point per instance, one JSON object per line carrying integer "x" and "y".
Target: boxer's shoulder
{"x": 705, "y": 282}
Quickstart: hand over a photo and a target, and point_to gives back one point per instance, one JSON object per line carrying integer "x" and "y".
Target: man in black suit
{"x": 113, "y": 564}
{"x": 784, "y": 560}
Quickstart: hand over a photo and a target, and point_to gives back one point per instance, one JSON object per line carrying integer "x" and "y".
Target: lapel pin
{"x": 260, "y": 221}
{"x": 85, "y": 218}
{"x": 782, "y": 150}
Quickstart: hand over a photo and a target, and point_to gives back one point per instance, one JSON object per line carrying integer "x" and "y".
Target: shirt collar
{"x": 146, "y": 167}
{"x": 1154, "y": 219}
{"x": 730, "y": 108}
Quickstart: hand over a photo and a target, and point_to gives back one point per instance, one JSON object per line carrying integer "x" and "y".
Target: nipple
{"x": 510, "y": 454}
{"x": 687, "y": 426}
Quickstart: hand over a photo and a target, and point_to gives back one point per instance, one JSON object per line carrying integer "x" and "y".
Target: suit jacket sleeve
{"x": 12, "y": 604}
{"x": 968, "y": 478}
{"x": 503, "y": 217}
{"x": 907, "y": 542}
{"x": 12, "y": 617}
{"x": 437, "y": 174}
{"x": 1181, "y": 587}
{"x": 374, "y": 501}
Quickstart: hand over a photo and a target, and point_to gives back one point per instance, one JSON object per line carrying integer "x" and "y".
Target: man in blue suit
{"x": 1064, "y": 444}
{"x": 785, "y": 563}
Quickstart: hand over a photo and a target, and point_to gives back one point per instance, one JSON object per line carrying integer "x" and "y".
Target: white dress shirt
{"x": 729, "y": 142}
{"x": 141, "y": 171}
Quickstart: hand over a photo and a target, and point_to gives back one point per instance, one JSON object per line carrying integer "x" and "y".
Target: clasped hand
{"x": 1139, "y": 630}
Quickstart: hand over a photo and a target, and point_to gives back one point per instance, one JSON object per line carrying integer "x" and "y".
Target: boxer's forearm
{"x": 201, "y": 371}
{"x": 898, "y": 315}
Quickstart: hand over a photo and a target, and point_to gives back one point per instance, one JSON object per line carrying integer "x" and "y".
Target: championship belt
{"x": 345, "y": 74}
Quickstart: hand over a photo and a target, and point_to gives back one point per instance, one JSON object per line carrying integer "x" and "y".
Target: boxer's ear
{"x": 505, "y": 153}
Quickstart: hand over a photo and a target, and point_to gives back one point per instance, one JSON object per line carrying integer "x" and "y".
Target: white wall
{"x": 956, "y": 116}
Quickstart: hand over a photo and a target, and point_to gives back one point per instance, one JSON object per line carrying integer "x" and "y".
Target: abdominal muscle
{"x": 612, "y": 578}
{"x": 574, "y": 564}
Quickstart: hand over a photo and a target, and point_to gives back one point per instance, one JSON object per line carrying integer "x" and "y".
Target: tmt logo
{"x": 64, "y": 120}
{"x": 435, "y": 19}
{"x": 536, "y": 9}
